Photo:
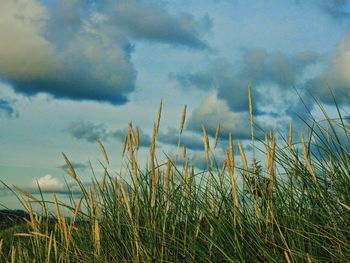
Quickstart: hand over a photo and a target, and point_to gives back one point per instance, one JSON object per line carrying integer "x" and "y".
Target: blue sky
{"x": 72, "y": 71}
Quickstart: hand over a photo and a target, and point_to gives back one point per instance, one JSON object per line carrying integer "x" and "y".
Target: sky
{"x": 72, "y": 71}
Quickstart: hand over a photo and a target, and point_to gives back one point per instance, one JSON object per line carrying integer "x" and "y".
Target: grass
{"x": 294, "y": 208}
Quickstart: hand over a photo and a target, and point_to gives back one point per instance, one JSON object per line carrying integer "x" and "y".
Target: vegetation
{"x": 294, "y": 208}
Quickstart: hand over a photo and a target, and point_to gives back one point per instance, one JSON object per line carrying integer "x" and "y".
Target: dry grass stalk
{"x": 55, "y": 248}
{"x": 137, "y": 142}
{"x": 159, "y": 115}
{"x": 191, "y": 177}
{"x": 131, "y": 155}
{"x": 58, "y": 213}
{"x": 224, "y": 165}
{"x": 217, "y": 135}
{"x": 125, "y": 144}
{"x": 184, "y": 152}
{"x": 166, "y": 177}
{"x": 267, "y": 152}
{"x": 290, "y": 137}
{"x": 131, "y": 132}
{"x": 186, "y": 180}
{"x": 126, "y": 201}
{"x": 231, "y": 172}
{"x": 307, "y": 160}
{"x": 183, "y": 118}
{"x": 49, "y": 248}
{"x": 296, "y": 164}
{"x": 309, "y": 259}
{"x": 206, "y": 144}
{"x": 72, "y": 172}
{"x": 97, "y": 237}
{"x": 344, "y": 205}
{"x": 76, "y": 211}
{"x": 1, "y": 242}
{"x": 103, "y": 150}
{"x": 13, "y": 254}
{"x": 243, "y": 157}
{"x": 27, "y": 194}
{"x": 152, "y": 164}
{"x": 287, "y": 257}
{"x": 251, "y": 120}
{"x": 91, "y": 204}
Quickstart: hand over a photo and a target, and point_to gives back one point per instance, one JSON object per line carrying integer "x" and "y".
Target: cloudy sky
{"x": 72, "y": 71}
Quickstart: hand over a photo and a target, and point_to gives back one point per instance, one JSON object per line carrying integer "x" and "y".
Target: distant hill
{"x": 7, "y": 216}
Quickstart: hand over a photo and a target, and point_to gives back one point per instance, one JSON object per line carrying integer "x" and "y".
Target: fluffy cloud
{"x": 257, "y": 67}
{"x": 81, "y": 50}
{"x": 335, "y": 76}
{"x": 51, "y": 184}
{"x": 7, "y": 108}
{"x": 214, "y": 111}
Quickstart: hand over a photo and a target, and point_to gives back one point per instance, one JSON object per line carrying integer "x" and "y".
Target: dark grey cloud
{"x": 335, "y": 77}
{"x": 152, "y": 22}
{"x": 338, "y": 9}
{"x": 42, "y": 54}
{"x": 257, "y": 67}
{"x": 191, "y": 141}
{"x": 90, "y": 132}
{"x": 145, "y": 140}
{"x": 7, "y": 108}
{"x": 87, "y": 131}
{"x": 76, "y": 165}
{"x": 81, "y": 50}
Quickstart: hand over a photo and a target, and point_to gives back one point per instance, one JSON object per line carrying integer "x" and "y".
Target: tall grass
{"x": 293, "y": 208}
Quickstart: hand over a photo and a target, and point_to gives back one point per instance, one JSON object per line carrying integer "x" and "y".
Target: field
{"x": 293, "y": 205}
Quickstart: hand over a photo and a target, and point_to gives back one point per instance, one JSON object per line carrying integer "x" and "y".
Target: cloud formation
{"x": 7, "y": 109}
{"x": 90, "y": 132}
{"x": 51, "y": 184}
{"x": 192, "y": 141}
{"x": 87, "y": 131}
{"x": 81, "y": 50}
{"x": 335, "y": 8}
{"x": 155, "y": 23}
{"x": 335, "y": 76}
{"x": 213, "y": 111}
{"x": 77, "y": 166}
{"x": 145, "y": 140}
{"x": 257, "y": 67}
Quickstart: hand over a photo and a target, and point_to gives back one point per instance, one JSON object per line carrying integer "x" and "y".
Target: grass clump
{"x": 294, "y": 208}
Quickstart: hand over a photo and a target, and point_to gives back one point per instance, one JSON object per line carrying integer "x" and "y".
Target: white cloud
{"x": 336, "y": 76}
{"x": 48, "y": 183}
{"x": 25, "y": 53}
{"x": 213, "y": 111}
